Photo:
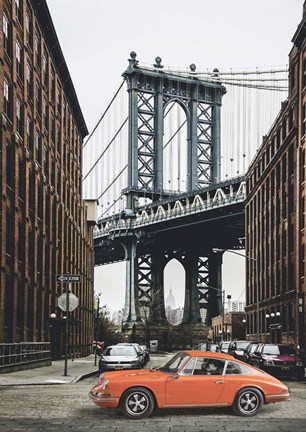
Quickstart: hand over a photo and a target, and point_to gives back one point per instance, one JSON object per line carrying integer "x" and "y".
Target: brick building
{"x": 233, "y": 325}
{"x": 43, "y": 219}
{"x": 275, "y": 215}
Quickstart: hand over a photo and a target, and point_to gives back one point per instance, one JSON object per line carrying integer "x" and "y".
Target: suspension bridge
{"x": 166, "y": 162}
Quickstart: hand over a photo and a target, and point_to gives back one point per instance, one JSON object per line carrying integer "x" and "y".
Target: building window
{"x": 7, "y": 35}
{"x": 45, "y": 69}
{"x": 45, "y": 114}
{"x": 19, "y": 118}
{"x": 29, "y": 82}
{"x": 19, "y": 10}
{"x": 53, "y": 129}
{"x": 38, "y": 147}
{"x": 284, "y": 127}
{"x": 37, "y": 51}
{"x": 19, "y": 69}
{"x": 46, "y": 160}
{"x": 291, "y": 118}
{"x": 10, "y": 165}
{"x": 292, "y": 77}
{"x": 7, "y": 98}
{"x": 304, "y": 119}
{"x": 29, "y": 29}
{"x": 58, "y": 100}
{"x": 30, "y": 134}
{"x": 38, "y": 99}
{"x": 52, "y": 85}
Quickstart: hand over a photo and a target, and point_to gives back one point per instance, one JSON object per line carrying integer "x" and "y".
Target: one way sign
{"x": 68, "y": 278}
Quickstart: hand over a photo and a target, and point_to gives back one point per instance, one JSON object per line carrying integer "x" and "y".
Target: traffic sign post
{"x": 67, "y": 302}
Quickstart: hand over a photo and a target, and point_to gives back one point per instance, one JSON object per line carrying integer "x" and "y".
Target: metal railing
{"x": 24, "y": 352}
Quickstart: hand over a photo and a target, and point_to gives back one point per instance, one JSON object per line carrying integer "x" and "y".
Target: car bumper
{"x": 285, "y": 371}
{"x": 115, "y": 366}
{"x": 104, "y": 400}
{"x": 277, "y": 398}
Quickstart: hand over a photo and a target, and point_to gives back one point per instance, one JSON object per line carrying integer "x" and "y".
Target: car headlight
{"x": 104, "y": 384}
{"x": 269, "y": 363}
{"x": 299, "y": 363}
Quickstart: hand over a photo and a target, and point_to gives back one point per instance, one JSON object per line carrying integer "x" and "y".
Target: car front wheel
{"x": 248, "y": 402}
{"x": 137, "y": 403}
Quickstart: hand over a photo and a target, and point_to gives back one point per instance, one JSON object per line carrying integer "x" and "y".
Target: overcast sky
{"x": 97, "y": 36}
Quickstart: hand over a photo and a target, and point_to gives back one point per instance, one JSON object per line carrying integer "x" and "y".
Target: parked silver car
{"x": 118, "y": 357}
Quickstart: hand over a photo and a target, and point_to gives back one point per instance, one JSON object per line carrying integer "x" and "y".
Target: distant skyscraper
{"x": 170, "y": 301}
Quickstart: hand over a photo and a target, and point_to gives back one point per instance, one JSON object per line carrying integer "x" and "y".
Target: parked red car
{"x": 278, "y": 360}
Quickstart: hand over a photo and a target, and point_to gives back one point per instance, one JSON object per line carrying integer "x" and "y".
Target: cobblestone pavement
{"x": 68, "y": 408}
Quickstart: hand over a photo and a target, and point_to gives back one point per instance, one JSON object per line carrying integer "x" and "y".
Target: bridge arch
{"x": 175, "y": 146}
{"x": 174, "y": 288}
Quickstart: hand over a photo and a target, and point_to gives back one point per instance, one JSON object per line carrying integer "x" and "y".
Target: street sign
{"x": 73, "y": 302}
{"x": 68, "y": 278}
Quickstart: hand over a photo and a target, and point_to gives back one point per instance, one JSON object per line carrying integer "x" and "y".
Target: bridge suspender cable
{"x": 106, "y": 148}
{"x": 103, "y": 115}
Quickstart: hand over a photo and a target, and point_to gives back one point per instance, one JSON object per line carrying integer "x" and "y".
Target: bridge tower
{"x": 151, "y": 90}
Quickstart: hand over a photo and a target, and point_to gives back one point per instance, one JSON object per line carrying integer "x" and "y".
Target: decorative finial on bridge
{"x": 215, "y": 75}
{"x": 193, "y": 67}
{"x": 158, "y": 64}
{"x": 132, "y": 61}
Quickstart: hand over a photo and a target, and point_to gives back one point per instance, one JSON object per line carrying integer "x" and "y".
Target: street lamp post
{"x": 216, "y": 250}
{"x": 97, "y": 324}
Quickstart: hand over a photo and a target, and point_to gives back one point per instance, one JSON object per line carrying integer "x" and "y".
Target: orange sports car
{"x": 190, "y": 379}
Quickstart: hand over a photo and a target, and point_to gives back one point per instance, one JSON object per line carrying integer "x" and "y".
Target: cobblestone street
{"x": 68, "y": 408}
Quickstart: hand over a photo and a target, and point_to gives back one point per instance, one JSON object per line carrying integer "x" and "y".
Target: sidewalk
{"x": 53, "y": 374}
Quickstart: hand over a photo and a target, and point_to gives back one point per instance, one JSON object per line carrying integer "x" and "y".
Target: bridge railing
{"x": 184, "y": 205}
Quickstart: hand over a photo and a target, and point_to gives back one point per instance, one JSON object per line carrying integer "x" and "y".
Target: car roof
{"x": 195, "y": 353}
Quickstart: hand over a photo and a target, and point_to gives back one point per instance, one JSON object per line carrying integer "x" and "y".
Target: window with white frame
{"x": 7, "y": 98}
{"x": 29, "y": 82}
{"x": 19, "y": 125}
{"x": 19, "y": 60}
{"x": 19, "y": 10}
{"x": 29, "y": 29}
{"x": 6, "y": 35}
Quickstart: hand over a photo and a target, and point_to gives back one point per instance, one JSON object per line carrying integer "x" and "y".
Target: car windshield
{"x": 252, "y": 348}
{"x": 225, "y": 344}
{"x": 175, "y": 363}
{"x": 242, "y": 345}
{"x": 279, "y": 350}
{"x": 120, "y": 351}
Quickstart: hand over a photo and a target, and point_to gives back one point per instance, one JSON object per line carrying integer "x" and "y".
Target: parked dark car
{"x": 117, "y": 357}
{"x": 278, "y": 360}
{"x": 237, "y": 349}
{"x": 249, "y": 351}
{"x": 223, "y": 347}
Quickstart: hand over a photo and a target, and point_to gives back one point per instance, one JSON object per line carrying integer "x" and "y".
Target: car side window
{"x": 232, "y": 369}
{"x": 208, "y": 366}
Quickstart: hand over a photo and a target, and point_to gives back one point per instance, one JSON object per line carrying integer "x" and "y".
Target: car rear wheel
{"x": 248, "y": 402}
{"x": 137, "y": 403}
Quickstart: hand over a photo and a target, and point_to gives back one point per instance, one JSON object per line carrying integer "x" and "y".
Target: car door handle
{"x": 219, "y": 382}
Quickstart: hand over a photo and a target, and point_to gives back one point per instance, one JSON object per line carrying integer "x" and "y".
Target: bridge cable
{"x": 106, "y": 148}
{"x": 103, "y": 115}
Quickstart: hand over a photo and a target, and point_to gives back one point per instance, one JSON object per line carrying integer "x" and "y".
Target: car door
{"x": 195, "y": 387}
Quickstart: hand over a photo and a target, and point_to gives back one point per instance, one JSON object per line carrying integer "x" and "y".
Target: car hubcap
{"x": 248, "y": 402}
{"x": 137, "y": 403}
